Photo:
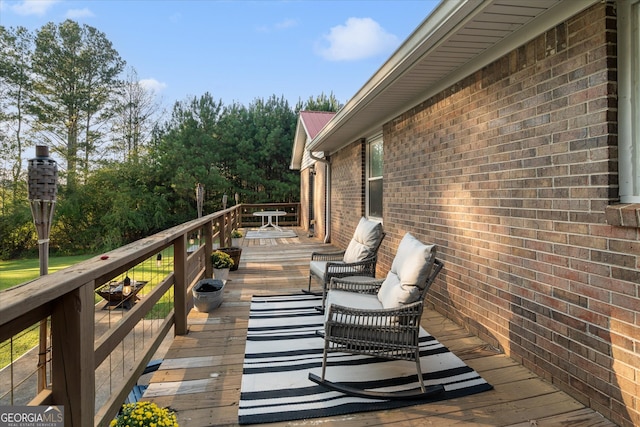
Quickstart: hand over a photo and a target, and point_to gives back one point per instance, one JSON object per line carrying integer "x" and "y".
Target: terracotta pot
{"x": 235, "y": 254}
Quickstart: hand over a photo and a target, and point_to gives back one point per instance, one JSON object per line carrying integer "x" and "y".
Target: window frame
{"x": 375, "y": 139}
{"x": 629, "y": 100}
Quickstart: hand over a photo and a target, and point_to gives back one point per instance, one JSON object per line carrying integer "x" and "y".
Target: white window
{"x": 374, "y": 177}
{"x": 629, "y": 100}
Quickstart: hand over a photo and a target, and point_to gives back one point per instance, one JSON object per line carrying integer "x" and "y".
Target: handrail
{"x": 68, "y": 298}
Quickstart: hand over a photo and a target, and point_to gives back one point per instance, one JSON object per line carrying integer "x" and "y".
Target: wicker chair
{"x": 359, "y": 259}
{"x": 381, "y": 317}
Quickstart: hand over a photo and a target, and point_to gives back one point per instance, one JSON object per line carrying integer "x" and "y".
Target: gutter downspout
{"x": 327, "y": 205}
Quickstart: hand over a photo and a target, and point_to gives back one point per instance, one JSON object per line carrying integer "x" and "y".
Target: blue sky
{"x": 240, "y": 50}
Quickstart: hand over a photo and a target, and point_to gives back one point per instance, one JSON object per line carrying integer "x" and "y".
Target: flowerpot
{"x": 236, "y": 241}
{"x": 221, "y": 273}
{"x": 207, "y": 294}
{"x": 234, "y": 253}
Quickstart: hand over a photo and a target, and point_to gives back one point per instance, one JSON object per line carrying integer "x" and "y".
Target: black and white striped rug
{"x": 283, "y": 347}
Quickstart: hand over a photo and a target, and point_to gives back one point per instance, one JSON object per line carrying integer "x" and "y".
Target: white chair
{"x": 381, "y": 317}
{"x": 359, "y": 259}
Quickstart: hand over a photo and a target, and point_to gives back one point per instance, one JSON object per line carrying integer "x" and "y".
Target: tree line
{"x": 127, "y": 169}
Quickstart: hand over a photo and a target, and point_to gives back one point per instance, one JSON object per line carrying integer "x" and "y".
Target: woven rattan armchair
{"x": 358, "y": 322}
{"x": 359, "y": 259}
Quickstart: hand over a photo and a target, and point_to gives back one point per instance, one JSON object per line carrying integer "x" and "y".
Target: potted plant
{"x": 145, "y": 414}
{"x": 236, "y": 238}
{"x": 222, "y": 263}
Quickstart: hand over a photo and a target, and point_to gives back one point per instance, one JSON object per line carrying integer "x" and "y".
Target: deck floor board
{"x": 202, "y": 374}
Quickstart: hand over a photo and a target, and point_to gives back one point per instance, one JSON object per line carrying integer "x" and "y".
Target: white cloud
{"x": 32, "y": 7}
{"x": 358, "y": 38}
{"x": 79, "y": 13}
{"x": 153, "y": 85}
{"x": 287, "y": 23}
{"x": 278, "y": 26}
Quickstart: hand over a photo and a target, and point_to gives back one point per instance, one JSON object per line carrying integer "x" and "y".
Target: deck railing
{"x": 89, "y": 345}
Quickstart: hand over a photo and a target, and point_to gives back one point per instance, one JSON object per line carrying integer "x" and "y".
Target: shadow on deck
{"x": 201, "y": 372}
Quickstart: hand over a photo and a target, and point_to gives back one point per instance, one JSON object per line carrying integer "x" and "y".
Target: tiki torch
{"x": 43, "y": 180}
{"x": 200, "y": 202}
{"x": 200, "y": 198}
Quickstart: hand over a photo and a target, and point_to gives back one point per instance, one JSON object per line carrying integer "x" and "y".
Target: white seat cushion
{"x": 317, "y": 268}
{"x": 364, "y": 242}
{"x": 352, "y": 300}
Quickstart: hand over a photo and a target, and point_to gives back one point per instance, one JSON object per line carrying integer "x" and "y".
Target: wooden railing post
{"x": 221, "y": 233}
{"x": 208, "y": 248}
{"x": 180, "y": 284}
{"x": 73, "y": 362}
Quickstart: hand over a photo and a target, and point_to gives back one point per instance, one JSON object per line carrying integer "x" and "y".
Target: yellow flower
{"x": 144, "y": 414}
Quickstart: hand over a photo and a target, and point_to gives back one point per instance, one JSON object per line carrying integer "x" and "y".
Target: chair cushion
{"x": 364, "y": 242}
{"x": 408, "y": 274}
{"x": 392, "y": 294}
{"x": 317, "y": 268}
{"x": 352, "y": 300}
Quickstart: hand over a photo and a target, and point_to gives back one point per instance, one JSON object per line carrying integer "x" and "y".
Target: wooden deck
{"x": 201, "y": 373}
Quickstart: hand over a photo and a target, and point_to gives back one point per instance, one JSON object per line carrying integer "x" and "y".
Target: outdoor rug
{"x": 270, "y": 233}
{"x": 283, "y": 347}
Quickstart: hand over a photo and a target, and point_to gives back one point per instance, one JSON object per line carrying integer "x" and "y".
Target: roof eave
{"x": 299, "y": 143}
{"x": 442, "y": 23}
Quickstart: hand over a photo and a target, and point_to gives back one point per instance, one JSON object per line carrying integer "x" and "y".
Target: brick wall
{"x": 509, "y": 172}
{"x": 346, "y": 193}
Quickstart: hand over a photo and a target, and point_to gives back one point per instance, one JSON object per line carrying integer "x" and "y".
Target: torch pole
{"x": 43, "y": 177}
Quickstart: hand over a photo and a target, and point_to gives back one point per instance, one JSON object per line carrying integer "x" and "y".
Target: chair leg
{"x": 324, "y": 298}
{"x": 324, "y": 362}
{"x": 419, "y": 370}
{"x": 308, "y": 291}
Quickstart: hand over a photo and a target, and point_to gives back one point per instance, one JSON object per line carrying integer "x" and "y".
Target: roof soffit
{"x": 457, "y": 39}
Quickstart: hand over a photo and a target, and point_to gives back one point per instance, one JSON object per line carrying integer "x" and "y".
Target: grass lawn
{"x": 13, "y": 273}
{"x": 22, "y": 270}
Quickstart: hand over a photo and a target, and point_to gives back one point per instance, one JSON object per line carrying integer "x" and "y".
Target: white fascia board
{"x": 299, "y": 144}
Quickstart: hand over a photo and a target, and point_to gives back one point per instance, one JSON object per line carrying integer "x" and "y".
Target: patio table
{"x": 270, "y": 215}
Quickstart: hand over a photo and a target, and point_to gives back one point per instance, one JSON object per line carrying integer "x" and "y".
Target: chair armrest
{"x": 365, "y": 267}
{"x": 370, "y": 285}
{"x": 327, "y": 256}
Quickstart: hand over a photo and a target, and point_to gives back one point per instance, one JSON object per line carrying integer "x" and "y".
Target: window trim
{"x": 629, "y": 100}
{"x": 368, "y": 178}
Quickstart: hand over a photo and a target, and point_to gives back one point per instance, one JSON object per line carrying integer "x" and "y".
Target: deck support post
{"x": 73, "y": 361}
